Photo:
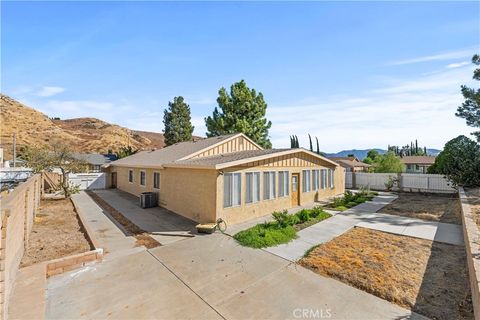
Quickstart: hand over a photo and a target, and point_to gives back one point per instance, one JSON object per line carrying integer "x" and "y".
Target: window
{"x": 268, "y": 185}
{"x": 130, "y": 176}
{"x": 283, "y": 183}
{"x": 252, "y": 187}
{"x": 307, "y": 181}
{"x": 315, "y": 178}
{"x": 323, "y": 177}
{"x": 142, "y": 178}
{"x": 232, "y": 187}
{"x": 330, "y": 178}
{"x": 156, "y": 180}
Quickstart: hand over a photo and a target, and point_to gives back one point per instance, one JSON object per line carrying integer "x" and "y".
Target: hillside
{"x": 81, "y": 134}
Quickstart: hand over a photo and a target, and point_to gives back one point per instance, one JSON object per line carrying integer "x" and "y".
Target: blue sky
{"x": 355, "y": 74}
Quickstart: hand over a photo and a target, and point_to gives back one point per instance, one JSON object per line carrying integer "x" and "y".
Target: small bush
{"x": 348, "y": 196}
{"x": 265, "y": 235}
{"x": 351, "y": 204}
{"x": 337, "y": 202}
{"x": 303, "y": 215}
{"x": 341, "y": 208}
{"x": 282, "y": 218}
{"x": 361, "y": 199}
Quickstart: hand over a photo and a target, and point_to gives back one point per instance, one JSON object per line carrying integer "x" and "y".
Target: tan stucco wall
{"x": 188, "y": 192}
{"x": 245, "y": 211}
{"x": 198, "y": 194}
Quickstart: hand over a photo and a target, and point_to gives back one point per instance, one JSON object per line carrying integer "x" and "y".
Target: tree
{"x": 61, "y": 158}
{"x": 311, "y": 145}
{"x": 389, "y": 163}
{"x": 470, "y": 108}
{"x": 177, "y": 121}
{"x": 125, "y": 152}
{"x": 318, "y": 146}
{"x": 372, "y": 154}
{"x": 459, "y": 161}
{"x": 243, "y": 110}
{"x": 351, "y": 155}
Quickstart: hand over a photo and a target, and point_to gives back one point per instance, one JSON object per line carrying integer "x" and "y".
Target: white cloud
{"x": 457, "y": 65}
{"x": 422, "y": 108}
{"x": 50, "y": 91}
{"x": 437, "y": 57}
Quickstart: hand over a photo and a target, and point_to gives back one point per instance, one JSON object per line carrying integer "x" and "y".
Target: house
{"x": 228, "y": 177}
{"x": 417, "y": 164}
{"x": 95, "y": 161}
{"x": 351, "y": 164}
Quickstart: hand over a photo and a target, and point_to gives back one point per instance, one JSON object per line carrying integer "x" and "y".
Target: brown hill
{"x": 82, "y": 134}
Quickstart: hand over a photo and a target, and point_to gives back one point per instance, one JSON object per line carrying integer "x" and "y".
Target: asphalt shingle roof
{"x": 169, "y": 154}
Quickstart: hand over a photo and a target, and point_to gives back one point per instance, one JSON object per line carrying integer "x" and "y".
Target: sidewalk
{"x": 364, "y": 215}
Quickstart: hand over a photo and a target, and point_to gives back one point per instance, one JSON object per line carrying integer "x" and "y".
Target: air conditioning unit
{"x": 148, "y": 199}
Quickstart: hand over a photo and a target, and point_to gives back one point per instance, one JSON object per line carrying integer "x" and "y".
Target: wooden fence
{"x": 410, "y": 182}
{"x": 17, "y": 214}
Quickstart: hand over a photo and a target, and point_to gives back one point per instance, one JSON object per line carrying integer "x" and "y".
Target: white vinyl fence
{"x": 411, "y": 182}
{"x": 89, "y": 181}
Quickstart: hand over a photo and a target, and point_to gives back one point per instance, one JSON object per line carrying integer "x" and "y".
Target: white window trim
{"x": 140, "y": 178}
{"x": 240, "y": 193}
{"x": 259, "y": 187}
{"x": 286, "y": 183}
{"x": 306, "y": 180}
{"x": 128, "y": 177}
{"x": 274, "y": 185}
{"x": 156, "y": 172}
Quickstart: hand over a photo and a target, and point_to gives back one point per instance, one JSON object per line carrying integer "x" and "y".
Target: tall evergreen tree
{"x": 241, "y": 110}
{"x": 470, "y": 108}
{"x": 318, "y": 146}
{"x": 310, "y": 139}
{"x": 177, "y": 121}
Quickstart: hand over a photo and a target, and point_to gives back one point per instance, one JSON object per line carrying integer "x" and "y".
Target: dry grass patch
{"x": 432, "y": 207}
{"x": 142, "y": 237}
{"x": 56, "y": 233}
{"x": 429, "y": 278}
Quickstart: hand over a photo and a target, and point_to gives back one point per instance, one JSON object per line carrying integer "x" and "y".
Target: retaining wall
{"x": 471, "y": 235}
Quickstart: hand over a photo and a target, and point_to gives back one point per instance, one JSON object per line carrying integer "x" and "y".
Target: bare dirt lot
{"x": 429, "y": 278}
{"x": 473, "y": 195}
{"x": 56, "y": 233}
{"x": 433, "y": 207}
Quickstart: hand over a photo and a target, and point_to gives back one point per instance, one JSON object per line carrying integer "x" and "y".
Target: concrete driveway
{"x": 207, "y": 278}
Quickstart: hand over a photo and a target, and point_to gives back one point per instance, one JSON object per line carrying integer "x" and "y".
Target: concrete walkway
{"x": 109, "y": 233}
{"x": 163, "y": 225}
{"x": 207, "y": 278}
{"x": 364, "y": 215}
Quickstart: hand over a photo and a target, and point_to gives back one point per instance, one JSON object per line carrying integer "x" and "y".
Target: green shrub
{"x": 282, "y": 218}
{"x": 360, "y": 199}
{"x": 348, "y": 196}
{"x": 265, "y": 235}
{"x": 351, "y": 204}
{"x": 303, "y": 215}
{"x": 341, "y": 208}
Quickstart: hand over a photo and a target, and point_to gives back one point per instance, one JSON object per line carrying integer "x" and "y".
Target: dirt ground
{"x": 56, "y": 233}
{"x": 473, "y": 195}
{"x": 433, "y": 207}
{"x": 429, "y": 278}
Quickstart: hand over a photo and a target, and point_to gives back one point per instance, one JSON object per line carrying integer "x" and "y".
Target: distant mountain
{"x": 362, "y": 154}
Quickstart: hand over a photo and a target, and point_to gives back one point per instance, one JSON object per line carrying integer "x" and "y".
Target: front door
{"x": 295, "y": 193}
{"x": 114, "y": 180}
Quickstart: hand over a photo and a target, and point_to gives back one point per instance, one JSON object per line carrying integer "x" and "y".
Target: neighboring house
{"x": 351, "y": 164}
{"x": 95, "y": 161}
{"x": 417, "y": 164}
{"x": 228, "y": 177}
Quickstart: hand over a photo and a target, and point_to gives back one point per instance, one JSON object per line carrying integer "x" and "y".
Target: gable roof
{"x": 237, "y": 158}
{"x": 352, "y": 164}
{"x": 181, "y": 150}
{"x": 93, "y": 158}
{"x": 418, "y": 159}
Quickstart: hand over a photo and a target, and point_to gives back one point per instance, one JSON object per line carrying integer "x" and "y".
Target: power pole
{"x": 14, "y": 150}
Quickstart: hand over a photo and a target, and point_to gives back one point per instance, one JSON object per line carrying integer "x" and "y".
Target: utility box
{"x": 148, "y": 199}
